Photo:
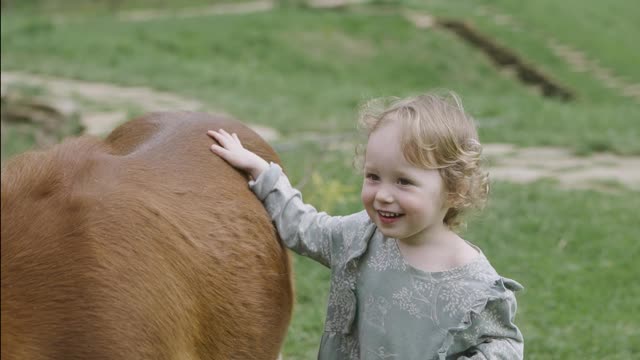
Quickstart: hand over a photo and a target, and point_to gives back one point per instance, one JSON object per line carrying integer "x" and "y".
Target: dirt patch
{"x": 220, "y": 9}
{"x": 333, "y": 4}
{"x": 599, "y": 171}
{"x": 36, "y": 117}
{"x": 93, "y": 101}
{"x": 506, "y": 162}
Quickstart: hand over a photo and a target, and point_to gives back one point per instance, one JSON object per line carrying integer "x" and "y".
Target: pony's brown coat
{"x": 141, "y": 246}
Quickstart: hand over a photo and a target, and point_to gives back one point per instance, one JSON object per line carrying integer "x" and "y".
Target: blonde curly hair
{"x": 437, "y": 134}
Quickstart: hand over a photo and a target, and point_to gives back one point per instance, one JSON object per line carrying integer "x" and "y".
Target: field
{"x": 303, "y": 71}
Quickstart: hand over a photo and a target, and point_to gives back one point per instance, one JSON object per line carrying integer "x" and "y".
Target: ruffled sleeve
{"x": 489, "y": 331}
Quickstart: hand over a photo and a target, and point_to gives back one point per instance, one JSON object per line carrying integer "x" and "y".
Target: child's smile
{"x": 405, "y": 202}
{"x": 389, "y": 217}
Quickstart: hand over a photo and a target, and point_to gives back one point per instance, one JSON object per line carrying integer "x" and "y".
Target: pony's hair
{"x": 436, "y": 134}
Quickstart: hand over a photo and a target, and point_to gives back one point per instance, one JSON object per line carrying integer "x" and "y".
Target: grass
{"x": 262, "y": 67}
{"x": 591, "y": 26}
{"x": 300, "y": 70}
{"x": 82, "y": 8}
{"x": 569, "y": 244}
{"x": 585, "y": 26}
{"x": 20, "y": 135}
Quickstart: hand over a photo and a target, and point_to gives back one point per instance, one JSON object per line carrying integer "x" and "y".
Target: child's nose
{"x": 384, "y": 196}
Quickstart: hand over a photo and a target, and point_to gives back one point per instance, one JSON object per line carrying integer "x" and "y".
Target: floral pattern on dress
{"x": 341, "y": 305}
{"x": 380, "y": 354}
{"x": 375, "y": 310}
{"x": 386, "y": 258}
{"x": 349, "y": 348}
{"x": 447, "y": 293}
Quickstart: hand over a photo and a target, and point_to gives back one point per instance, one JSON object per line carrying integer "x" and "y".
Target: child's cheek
{"x": 367, "y": 197}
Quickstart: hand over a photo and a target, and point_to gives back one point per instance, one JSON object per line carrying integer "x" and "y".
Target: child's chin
{"x": 387, "y": 233}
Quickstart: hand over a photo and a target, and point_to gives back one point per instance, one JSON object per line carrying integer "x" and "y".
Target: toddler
{"x": 404, "y": 285}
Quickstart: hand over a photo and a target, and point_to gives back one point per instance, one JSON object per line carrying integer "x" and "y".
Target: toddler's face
{"x": 404, "y": 201}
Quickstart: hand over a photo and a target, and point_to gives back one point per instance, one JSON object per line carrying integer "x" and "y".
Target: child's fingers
{"x": 228, "y": 141}
{"x": 224, "y": 139}
{"x": 224, "y": 133}
{"x": 219, "y": 150}
{"x": 216, "y": 135}
{"x": 229, "y": 137}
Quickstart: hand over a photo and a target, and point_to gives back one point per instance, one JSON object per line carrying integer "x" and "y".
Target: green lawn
{"x": 308, "y": 70}
{"x": 80, "y": 8}
{"x": 604, "y": 31}
{"x": 302, "y": 70}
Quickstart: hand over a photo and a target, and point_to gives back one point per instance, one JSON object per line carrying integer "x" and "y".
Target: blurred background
{"x": 554, "y": 87}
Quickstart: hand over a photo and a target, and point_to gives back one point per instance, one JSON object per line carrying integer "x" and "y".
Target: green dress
{"x": 379, "y": 306}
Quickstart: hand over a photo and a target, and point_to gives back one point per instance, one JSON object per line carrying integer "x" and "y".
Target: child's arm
{"x": 299, "y": 225}
{"x": 494, "y": 333}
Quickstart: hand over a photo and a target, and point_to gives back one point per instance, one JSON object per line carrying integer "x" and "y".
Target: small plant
{"x": 328, "y": 195}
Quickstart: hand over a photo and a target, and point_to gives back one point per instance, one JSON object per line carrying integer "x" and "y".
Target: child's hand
{"x": 231, "y": 150}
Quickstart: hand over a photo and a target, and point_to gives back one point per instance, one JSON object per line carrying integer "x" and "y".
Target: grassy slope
{"x": 603, "y": 31}
{"x": 606, "y": 31}
{"x": 573, "y": 250}
{"x": 302, "y": 70}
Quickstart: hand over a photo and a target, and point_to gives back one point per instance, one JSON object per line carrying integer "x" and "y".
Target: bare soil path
{"x": 219, "y": 9}
{"x": 506, "y": 161}
{"x": 95, "y": 102}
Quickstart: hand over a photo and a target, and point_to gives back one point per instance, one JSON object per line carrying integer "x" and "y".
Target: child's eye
{"x": 403, "y": 181}
{"x": 371, "y": 176}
